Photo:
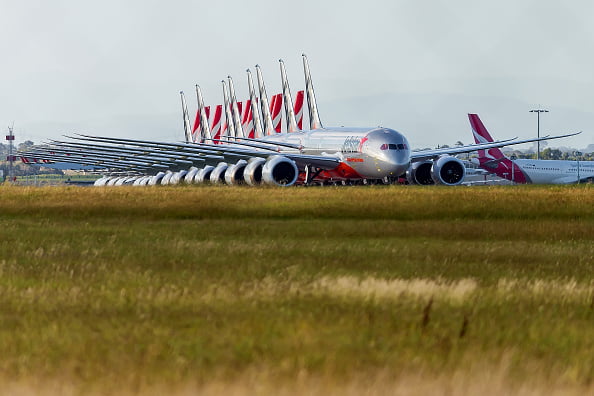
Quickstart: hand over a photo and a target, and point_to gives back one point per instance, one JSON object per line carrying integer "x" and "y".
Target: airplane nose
{"x": 399, "y": 161}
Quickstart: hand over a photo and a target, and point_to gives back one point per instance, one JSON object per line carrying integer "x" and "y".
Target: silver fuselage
{"x": 370, "y": 152}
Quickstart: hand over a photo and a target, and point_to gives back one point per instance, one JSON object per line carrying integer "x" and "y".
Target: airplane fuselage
{"x": 556, "y": 171}
{"x": 371, "y": 153}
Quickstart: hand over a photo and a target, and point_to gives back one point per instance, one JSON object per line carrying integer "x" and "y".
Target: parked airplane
{"x": 318, "y": 154}
{"x": 527, "y": 170}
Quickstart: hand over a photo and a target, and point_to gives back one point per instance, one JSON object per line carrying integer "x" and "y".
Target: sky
{"x": 115, "y": 68}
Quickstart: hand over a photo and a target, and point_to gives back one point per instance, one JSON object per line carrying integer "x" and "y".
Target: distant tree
{"x": 459, "y": 143}
{"x": 27, "y": 144}
{"x": 551, "y": 154}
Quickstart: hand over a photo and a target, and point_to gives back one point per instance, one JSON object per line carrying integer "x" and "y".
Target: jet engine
{"x": 113, "y": 181}
{"x": 234, "y": 173}
{"x": 279, "y": 171}
{"x": 448, "y": 170}
{"x": 156, "y": 179}
{"x": 252, "y": 174}
{"x": 189, "y": 178}
{"x": 165, "y": 180}
{"x": 101, "y": 181}
{"x": 218, "y": 173}
{"x": 203, "y": 174}
{"x": 420, "y": 173}
{"x": 178, "y": 177}
{"x": 141, "y": 181}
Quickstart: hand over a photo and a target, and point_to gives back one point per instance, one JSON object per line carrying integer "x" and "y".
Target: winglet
{"x": 186, "y": 118}
{"x": 264, "y": 105}
{"x": 314, "y": 117}
{"x": 254, "y": 103}
{"x": 205, "y": 132}
{"x": 235, "y": 110}
{"x": 230, "y": 130}
{"x": 289, "y": 112}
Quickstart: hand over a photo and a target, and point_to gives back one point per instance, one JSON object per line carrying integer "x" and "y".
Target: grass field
{"x": 221, "y": 290}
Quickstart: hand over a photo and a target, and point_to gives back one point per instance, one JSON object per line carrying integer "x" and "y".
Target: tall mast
{"x": 11, "y": 157}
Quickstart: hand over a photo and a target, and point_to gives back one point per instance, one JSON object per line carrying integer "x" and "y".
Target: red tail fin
{"x": 299, "y": 109}
{"x": 493, "y": 160}
{"x": 240, "y": 107}
{"x": 197, "y": 123}
{"x": 246, "y": 122}
{"x": 481, "y": 135}
{"x": 276, "y": 105}
{"x": 216, "y": 123}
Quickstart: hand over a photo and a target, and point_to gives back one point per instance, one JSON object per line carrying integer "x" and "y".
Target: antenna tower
{"x": 11, "y": 157}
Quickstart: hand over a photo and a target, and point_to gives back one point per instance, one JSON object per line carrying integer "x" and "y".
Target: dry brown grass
{"x": 297, "y": 291}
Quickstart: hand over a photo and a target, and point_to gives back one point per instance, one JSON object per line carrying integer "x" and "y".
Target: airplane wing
{"x": 424, "y": 155}
{"x": 156, "y": 154}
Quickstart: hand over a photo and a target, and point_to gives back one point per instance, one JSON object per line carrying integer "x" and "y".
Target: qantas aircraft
{"x": 317, "y": 154}
{"x": 527, "y": 170}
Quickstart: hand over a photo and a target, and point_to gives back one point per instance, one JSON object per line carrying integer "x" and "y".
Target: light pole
{"x": 538, "y": 111}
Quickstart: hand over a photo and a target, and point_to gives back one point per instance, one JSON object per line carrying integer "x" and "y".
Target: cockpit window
{"x": 392, "y": 146}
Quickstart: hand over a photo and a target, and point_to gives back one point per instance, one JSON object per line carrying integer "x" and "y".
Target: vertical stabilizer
{"x": 186, "y": 117}
{"x": 235, "y": 110}
{"x": 299, "y": 109}
{"x": 277, "y": 115}
{"x": 196, "y": 127}
{"x": 246, "y": 120}
{"x": 481, "y": 135}
{"x": 314, "y": 117}
{"x": 264, "y": 105}
{"x": 204, "y": 127}
{"x": 257, "y": 121}
{"x": 493, "y": 160}
{"x": 291, "y": 122}
{"x": 240, "y": 110}
{"x": 228, "y": 130}
{"x": 216, "y": 123}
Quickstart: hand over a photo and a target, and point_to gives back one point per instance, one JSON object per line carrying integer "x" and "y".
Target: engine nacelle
{"x": 156, "y": 179}
{"x": 218, "y": 173}
{"x": 113, "y": 181}
{"x": 140, "y": 181}
{"x": 279, "y": 171}
{"x": 252, "y": 174}
{"x": 420, "y": 173}
{"x": 165, "y": 180}
{"x": 145, "y": 181}
{"x": 189, "y": 178}
{"x": 234, "y": 173}
{"x": 203, "y": 174}
{"x": 448, "y": 170}
{"x": 101, "y": 181}
{"x": 178, "y": 177}
{"x": 126, "y": 181}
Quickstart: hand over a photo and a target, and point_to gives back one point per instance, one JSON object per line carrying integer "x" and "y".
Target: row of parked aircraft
{"x": 248, "y": 147}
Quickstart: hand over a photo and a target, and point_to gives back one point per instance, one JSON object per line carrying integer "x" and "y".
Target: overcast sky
{"x": 115, "y": 68}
